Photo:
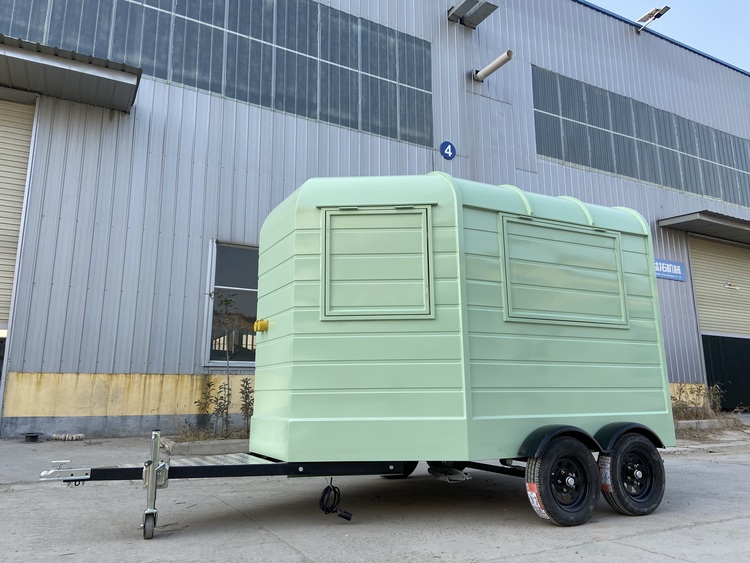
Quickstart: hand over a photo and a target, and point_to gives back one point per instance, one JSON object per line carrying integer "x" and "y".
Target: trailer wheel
{"x": 149, "y": 522}
{"x": 633, "y": 477}
{"x": 563, "y": 482}
{"x": 409, "y": 467}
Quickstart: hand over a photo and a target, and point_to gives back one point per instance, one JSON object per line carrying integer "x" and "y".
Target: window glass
{"x": 741, "y": 152}
{"x": 644, "y": 121}
{"x": 339, "y": 95}
{"x": 297, "y": 25}
{"x": 576, "y": 143}
{"x": 597, "y": 106}
{"x": 296, "y": 84}
{"x": 17, "y": 23}
{"x": 648, "y": 143}
{"x": 379, "y": 50}
{"x": 670, "y": 168}
{"x": 648, "y": 159}
{"x": 724, "y": 154}
{"x": 626, "y": 160}
{"x": 265, "y": 52}
{"x": 743, "y": 184}
{"x": 65, "y": 24}
{"x": 415, "y": 62}
{"x": 706, "y": 145}
{"x": 665, "y": 129}
{"x": 249, "y": 70}
{"x": 686, "y": 135}
{"x": 729, "y": 187}
{"x": 234, "y": 304}
{"x": 251, "y": 17}
{"x": 206, "y": 11}
{"x": 185, "y": 52}
{"x": 134, "y": 35}
{"x": 339, "y": 37}
{"x": 602, "y": 151}
{"x": 691, "y": 174}
{"x": 161, "y": 4}
{"x": 711, "y": 179}
{"x": 29, "y": 17}
{"x": 549, "y": 135}
{"x": 95, "y": 24}
{"x": 571, "y": 98}
{"x": 210, "y": 58}
{"x": 622, "y": 114}
{"x": 379, "y": 109}
{"x": 415, "y": 109}
{"x": 546, "y": 96}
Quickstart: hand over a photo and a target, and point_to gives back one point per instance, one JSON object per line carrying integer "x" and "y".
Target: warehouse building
{"x": 142, "y": 143}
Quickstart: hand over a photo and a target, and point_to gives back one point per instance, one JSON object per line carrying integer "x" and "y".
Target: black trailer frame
{"x": 156, "y": 474}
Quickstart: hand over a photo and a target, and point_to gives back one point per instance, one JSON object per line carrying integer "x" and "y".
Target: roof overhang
{"x": 31, "y": 67}
{"x": 710, "y": 224}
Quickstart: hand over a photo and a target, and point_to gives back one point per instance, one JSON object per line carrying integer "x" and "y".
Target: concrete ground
{"x": 703, "y": 516}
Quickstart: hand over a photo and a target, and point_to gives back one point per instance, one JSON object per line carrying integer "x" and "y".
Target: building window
{"x": 584, "y": 125}
{"x": 295, "y": 56}
{"x": 233, "y": 300}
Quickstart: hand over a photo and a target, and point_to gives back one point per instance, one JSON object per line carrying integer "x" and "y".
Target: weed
{"x": 696, "y": 402}
{"x": 248, "y": 400}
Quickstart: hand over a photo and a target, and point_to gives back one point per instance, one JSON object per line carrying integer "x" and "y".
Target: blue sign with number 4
{"x": 448, "y": 150}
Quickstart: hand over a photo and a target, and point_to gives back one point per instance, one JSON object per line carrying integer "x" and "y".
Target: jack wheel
{"x": 149, "y": 523}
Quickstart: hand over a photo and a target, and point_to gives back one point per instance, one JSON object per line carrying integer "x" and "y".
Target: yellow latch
{"x": 261, "y": 325}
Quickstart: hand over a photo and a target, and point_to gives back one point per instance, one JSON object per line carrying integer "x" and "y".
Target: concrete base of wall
{"x": 103, "y": 426}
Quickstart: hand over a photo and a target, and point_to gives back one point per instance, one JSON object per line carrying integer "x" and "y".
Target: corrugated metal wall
{"x": 122, "y": 208}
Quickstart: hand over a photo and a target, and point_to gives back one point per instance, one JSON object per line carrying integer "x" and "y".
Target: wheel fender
{"x": 609, "y": 434}
{"x": 534, "y": 444}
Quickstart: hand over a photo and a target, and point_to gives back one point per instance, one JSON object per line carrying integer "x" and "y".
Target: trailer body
{"x": 432, "y": 318}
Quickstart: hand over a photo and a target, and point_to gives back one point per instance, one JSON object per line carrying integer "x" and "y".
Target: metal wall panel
{"x": 123, "y": 208}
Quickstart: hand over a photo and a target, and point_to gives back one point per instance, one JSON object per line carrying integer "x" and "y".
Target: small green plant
{"x": 247, "y": 401}
{"x": 221, "y": 408}
{"x": 206, "y": 406}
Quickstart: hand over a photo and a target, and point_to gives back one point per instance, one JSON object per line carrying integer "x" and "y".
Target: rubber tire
{"x": 409, "y": 467}
{"x": 149, "y": 523}
{"x": 560, "y": 503}
{"x": 630, "y": 495}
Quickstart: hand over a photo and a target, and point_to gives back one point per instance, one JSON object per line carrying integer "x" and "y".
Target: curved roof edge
{"x": 40, "y": 69}
{"x": 659, "y": 35}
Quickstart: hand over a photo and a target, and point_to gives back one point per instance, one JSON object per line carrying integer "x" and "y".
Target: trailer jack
{"x": 156, "y": 474}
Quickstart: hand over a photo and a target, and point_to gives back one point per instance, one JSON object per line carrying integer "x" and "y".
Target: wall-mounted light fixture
{"x": 650, "y": 16}
{"x": 480, "y": 75}
{"x": 471, "y": 12}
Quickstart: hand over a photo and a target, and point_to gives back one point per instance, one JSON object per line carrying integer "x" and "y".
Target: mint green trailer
{"x": 431, "y": 318}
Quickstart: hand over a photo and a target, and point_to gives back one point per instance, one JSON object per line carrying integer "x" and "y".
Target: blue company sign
{"x": 448, "y": 150}
{"x": 669, "y": 270}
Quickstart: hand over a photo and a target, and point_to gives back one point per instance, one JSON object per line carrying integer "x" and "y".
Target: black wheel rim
{"x": 636, "y": 475}
{"x": 568, "y": 483}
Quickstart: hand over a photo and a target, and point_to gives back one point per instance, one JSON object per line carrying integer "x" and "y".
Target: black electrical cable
{"x": 330, "y": 500}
